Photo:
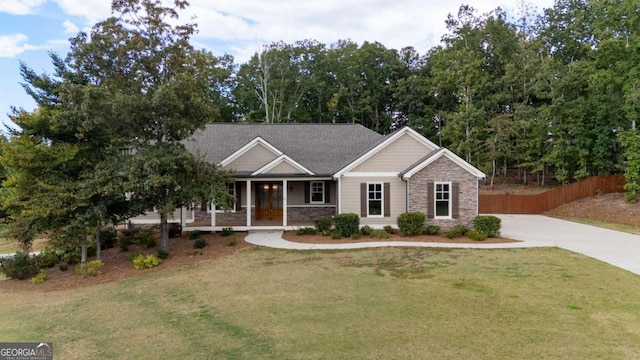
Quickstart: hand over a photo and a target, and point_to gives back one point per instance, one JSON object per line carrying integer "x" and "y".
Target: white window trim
{"x": 311, "y": 192}
{"x": 381, "y": 200}
{"x": 435, "y": 199}
{"x": 232, "y": 187}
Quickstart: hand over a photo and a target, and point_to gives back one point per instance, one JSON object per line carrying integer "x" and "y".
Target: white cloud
{"x": 70, "y": 28}
{"x": 20, "y": 7}
{"x": 92, "y": 11}
{"x": 14, "y": 44}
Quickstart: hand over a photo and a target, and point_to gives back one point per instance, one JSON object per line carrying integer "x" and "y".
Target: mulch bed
{"x": 320, "y": 239}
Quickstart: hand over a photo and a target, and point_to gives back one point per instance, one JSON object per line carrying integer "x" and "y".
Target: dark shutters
{"x": 238, "y": 196}
{"x": 327, "y": 192}
{"x": 363, "y": 200}
{"x": 455, "y": 205}
{"x": 430, "y": 202}
{"x": 387, "y": 199}
{"x": 307, "y": 192}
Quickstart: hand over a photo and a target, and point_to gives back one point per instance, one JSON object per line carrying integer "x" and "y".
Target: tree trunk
{"x": 83, "y": 256}
{"x": 98, "y": 246}
{"x": 164, "y": 232}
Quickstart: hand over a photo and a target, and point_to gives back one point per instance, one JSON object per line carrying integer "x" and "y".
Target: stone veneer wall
{"x": 309, "y": 214}
{"x": 444, "y": 169}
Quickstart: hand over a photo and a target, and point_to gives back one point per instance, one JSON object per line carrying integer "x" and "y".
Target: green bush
{"x": 306, "y": 231}
{"x": 365, "y": 230}
{"x": 142, "y": 262}
{"x": 163, "y": 254}
{"x": 226, "y": 231}
{"x": 432, "y": 230}
{"x": 133, "y": 255}
{"x": 323, "y": 224}
{"x": 92, "y": 268}
{"x": 476, "y": 235}
{"x": 347, "y": 224}
{"x": 389, "y": 229}
{"x": 40, "y": 278}
{"x": 63, "y": 266}
{"x": 411, "y": 223}
{"x": 356, "y": 236}
{"x": 71, "y": 257}
{"x": 107, "y": 238}
{"x": 457, "y": 231}
{"x": 336, "y": 235}
{"x": 378, "y": 234}
{"x": 195, "y": 234}
{"x": 487, "y": 224}
{"x": 146, "y": 238}
{"x": 47, "y": 258}
{"x": 19, "y": 266}
{"x": 124, "y": 242}
{"x": 199, "y": 243}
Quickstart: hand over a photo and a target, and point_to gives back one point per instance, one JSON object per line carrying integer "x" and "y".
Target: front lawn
{"x": 365, "y": 304}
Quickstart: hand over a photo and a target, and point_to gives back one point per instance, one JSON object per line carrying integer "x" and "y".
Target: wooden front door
{"x": 269, "y": 201}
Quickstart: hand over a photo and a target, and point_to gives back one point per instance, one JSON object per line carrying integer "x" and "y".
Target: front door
{"x": 269, "y": 201}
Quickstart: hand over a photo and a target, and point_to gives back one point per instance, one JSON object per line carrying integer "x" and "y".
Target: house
{"x": 288, "y": 175}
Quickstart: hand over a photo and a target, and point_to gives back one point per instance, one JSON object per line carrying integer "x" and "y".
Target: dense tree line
{"x": 544, "y": 94}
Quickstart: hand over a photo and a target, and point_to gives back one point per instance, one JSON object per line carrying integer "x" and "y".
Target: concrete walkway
{"x": 613, "y": 247}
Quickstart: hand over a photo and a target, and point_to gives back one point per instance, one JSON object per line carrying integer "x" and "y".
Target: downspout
{"x": 406, "y": 200}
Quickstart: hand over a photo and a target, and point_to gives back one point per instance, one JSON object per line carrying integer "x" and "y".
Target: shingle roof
{"x": 321, "y": 148}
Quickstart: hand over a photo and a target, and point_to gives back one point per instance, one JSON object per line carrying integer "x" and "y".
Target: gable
{"x": 443, "y": 155}
{"x": 251, "y": 158}
{"x": 282, "y": 168}
{"x": 395, "y": 157}
{"x": 282, "y": 165}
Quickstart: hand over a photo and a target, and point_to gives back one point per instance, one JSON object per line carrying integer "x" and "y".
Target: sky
{"x": 31, "y": 29}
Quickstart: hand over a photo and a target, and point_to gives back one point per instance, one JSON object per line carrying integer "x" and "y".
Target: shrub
{"x": 19, "y": 266}
{"x": 306, "y": 231}
{"x": 226, "y": 231}
{"x": 107, "y": 238}
{"x": 129, "y": 232}
{"x": 631, "y": 197}
{"x": 487, "y": 224}
{"x": 231, "y": 241}
{"x": 432, "y": 230}
{"x": 476, "y": 235}
{"x": 133, "y": 255}
{"x": 365, "y": 230}
{"x": 71, "y": 257}
{"x": 323, "y": 224}
{"x": 195, "y": 234}
{"x": 379, "y": 234}
{"x": 146, "y": 238}
{"x": 40, "y": 278}
{"x": 389, "y": 229}
{"x": 457, "y": 231}
{"x": 336, "y": 235}
{"x": 124, "y": 242}
{"x": 163, "y": 254}
{"x": 411, "y": 223}
{"x": 92, "y": 268}
{"x": 142, "y": 262}
{"x": 63, "y": 266}
{"x": 175, "y": 230}
{"x": 199, "y": 243}
{"x": 47, "y": 258}
{"x": 347, "y": 224}
{"x": 356, "y": 236}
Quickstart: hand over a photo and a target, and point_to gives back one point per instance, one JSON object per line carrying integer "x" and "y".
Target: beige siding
{"x": 396, "y": 157}
{"x": 283, "y": 168}
{"x": 252, "y": 160}
{"x": 295, "y": 195}
{"x": 350, "y": 198}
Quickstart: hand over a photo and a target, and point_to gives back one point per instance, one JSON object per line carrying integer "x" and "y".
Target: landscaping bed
{"x": 323, "y": 239}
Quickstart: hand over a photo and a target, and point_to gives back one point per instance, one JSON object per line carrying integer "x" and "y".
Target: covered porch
{"x": 267, "y": 204}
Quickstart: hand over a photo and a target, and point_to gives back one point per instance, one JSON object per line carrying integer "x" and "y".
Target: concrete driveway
{"x": 614, "y": 247}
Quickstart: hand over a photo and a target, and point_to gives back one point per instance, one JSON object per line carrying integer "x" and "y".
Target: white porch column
{"x": 285, "y": 191}
{"x": 213, "y": 214}
{"x": 248, "y": 192}
{"x": 183, "y": 217}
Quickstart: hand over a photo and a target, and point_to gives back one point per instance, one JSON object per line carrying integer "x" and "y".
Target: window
{"x": 442, "y": 200}
{"x": 374, "y": 200}
{"x": 317, "y": 192}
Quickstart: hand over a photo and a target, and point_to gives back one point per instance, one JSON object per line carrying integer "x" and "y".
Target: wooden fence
{"x": 539, "y": 203}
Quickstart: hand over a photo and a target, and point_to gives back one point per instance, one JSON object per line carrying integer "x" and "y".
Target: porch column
{"x": 213, "y": 214}
{"x": 248, "y": 192}
{"x": 183, "y": 217}
{"x": 285, "y": 191}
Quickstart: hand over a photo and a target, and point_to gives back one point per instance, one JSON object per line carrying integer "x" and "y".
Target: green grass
{"x": 603, "y": 224}
{"x": 365, "y": 304}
